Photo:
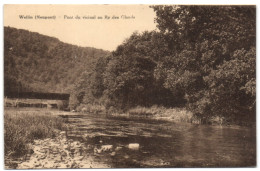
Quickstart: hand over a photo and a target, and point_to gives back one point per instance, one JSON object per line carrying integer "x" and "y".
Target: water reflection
{"x": 123, "y": 142}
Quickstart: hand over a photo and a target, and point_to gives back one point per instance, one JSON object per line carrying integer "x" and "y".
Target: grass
{"x": 162, "y": 113}
{"x": 177, "y": 115}
{"x": 154, "y": 112}
{"x": 23, "y": 127}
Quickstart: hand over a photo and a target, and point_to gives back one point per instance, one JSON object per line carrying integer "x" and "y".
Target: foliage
{"x": 34, "y": 62}
{"x": 213, "y": 57}
{"x": 129, "y": 76}
{"x": 232, "y": 85}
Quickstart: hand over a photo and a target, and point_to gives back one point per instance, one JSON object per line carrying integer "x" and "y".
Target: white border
{"x": 237, "y": 2}
{"x": 197, "y": 2}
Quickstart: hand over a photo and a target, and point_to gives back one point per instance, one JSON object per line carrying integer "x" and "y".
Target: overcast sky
{"x": 99, "y": 33}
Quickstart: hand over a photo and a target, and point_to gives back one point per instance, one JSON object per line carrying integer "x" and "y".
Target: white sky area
{"x": 103, "y": 33}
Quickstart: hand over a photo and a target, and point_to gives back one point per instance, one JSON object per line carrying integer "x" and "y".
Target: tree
{"x": 232, "y": 85}
{"x": 130, "y": 77}
{"x": 211, "y": 49}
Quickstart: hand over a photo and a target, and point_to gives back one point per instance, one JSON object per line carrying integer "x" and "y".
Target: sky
{"x": 102, "y": 33}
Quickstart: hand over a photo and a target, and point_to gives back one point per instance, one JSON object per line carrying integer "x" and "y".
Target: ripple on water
{"x": 166, "y": 144}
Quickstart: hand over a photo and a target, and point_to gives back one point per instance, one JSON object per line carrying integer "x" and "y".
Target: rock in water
{"x": 118, "y": 148}
{"x": 134, "y": 146}
{"x": 103, "y": 148}
{"x": 113, "y": 153}
{"x": 106, "y": 147}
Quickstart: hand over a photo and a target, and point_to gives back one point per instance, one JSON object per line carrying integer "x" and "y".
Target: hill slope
{"x": 35, "y": 62}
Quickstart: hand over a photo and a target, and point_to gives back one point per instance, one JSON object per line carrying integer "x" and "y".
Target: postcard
{"x": 129, "y": 86}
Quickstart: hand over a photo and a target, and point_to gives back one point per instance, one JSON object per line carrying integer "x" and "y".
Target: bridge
{"x": 37, "y": 99}
{"x": 38, "y": 95}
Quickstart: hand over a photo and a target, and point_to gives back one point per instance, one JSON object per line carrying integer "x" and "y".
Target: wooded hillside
{"x": 35, "y": 62}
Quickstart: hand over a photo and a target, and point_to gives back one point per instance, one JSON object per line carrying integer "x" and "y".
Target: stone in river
{"x": 134, "y": 146}
{"x": 126, "y": 156}
{"x": 104, "y": 148}
{"x": 118, "y": 148}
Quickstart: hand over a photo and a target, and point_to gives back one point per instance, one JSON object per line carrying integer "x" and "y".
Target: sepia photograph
{"x": 129, "y": 86}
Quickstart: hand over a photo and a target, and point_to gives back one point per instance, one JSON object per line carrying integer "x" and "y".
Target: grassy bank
{"x": 154, "y": 112}
{"x": 23, "y": 127}
{"x": 169, "y": 114}
{"x": 162, "y": 113}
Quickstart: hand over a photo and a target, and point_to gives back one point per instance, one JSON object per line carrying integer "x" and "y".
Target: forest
{"x": 201, "y": 58}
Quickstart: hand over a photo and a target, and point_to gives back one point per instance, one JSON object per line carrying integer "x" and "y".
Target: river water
{"x": 138, "y": 143}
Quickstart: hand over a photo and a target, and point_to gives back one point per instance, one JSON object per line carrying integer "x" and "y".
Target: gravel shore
{"x": 59, "y": 153}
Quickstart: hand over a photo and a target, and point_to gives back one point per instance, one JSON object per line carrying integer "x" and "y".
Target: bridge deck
{"x": 38, "y": 95}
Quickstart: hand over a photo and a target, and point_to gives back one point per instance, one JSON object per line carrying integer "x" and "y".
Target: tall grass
{"x": 22, "y": 127}
{"x": 174, "y": 114}
{"x": 162, "y": 113}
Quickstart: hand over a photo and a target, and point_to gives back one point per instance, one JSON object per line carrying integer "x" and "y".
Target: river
{"x": 135, "y": 143}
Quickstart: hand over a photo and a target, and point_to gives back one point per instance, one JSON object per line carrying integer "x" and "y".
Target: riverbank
{"x": 167, "y": 114}
{"x": 59, "y": 152}
{"x": 36, "y": 139}
{"x": 23, "y": 127}
{"x": 155, "y": 112}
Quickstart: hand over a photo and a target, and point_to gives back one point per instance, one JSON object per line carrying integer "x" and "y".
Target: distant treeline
{"x": 201, "y": 57}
